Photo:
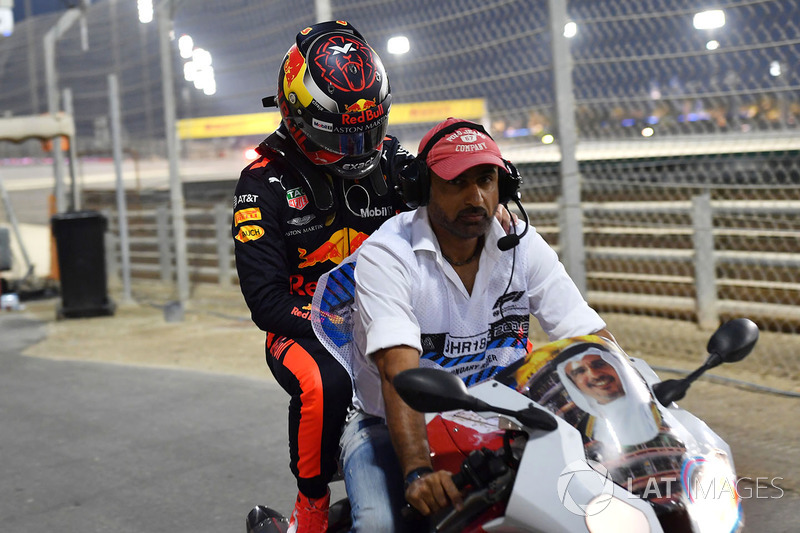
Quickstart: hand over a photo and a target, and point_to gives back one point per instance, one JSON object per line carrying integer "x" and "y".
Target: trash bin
{"x": 80, "y": 248}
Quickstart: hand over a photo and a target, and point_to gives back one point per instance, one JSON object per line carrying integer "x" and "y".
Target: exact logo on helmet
{"x": 355, "y": 166}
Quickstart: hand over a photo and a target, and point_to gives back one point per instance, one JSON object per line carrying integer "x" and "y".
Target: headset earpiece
{"x": 508, "y": 183}
{"x": 414, "y": 183}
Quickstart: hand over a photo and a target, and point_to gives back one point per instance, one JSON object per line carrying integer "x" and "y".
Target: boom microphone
{"x": 509, "y": 241}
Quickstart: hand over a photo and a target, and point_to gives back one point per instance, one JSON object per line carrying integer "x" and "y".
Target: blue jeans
{"x": 372, "y": 476}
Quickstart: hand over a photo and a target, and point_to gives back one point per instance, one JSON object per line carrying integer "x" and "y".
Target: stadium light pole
{"x": 572, "y": 246}
{"x": 165, "y": 14}
{"x": 323, "y": 10}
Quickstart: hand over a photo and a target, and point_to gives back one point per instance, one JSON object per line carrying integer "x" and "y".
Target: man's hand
{"x": 432, "y": 492}
{"x": 505, "y": 217}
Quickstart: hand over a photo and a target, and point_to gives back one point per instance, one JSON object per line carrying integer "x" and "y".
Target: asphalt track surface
{"x": 92, "y": 447}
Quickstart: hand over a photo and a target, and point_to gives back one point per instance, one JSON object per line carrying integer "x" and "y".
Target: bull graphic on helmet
{"x": 345, "y": 63}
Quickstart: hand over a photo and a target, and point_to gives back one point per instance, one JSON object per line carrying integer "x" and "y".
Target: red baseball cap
{"x": 460, "y": 150}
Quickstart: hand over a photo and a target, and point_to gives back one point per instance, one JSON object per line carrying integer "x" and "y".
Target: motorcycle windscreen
{"x": 590, "y": 383}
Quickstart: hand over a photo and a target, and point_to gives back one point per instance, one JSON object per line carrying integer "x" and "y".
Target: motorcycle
{"x": 575, "y": 437}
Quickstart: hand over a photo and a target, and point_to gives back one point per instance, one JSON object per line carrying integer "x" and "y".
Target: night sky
{"x": 41, "y": 6}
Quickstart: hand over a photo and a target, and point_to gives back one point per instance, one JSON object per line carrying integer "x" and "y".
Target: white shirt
{"x": 408, "y": 294}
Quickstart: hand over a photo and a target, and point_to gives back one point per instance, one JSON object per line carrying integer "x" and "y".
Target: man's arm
{"x": 409, "y": 436}
{"x": 261, "y": 258}
{"x": 605, "y": 334}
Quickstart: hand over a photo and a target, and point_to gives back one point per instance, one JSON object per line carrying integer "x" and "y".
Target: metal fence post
{"x": 163, "y": 237}
{"x": 222, "y": 225}
{"x": 165, "y": 18}
{"x": 122, "y": 210}
{"x": 110, "y": 240}
{"x": 704, "y": 262}
{"x": 573, "y": 254}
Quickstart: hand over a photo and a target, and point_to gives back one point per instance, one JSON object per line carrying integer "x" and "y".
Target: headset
{"x": 415, "y": 181}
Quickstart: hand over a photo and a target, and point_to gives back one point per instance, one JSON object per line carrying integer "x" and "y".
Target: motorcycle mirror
{"x": 732, "y": 342}
{"x": 430, "y": 390}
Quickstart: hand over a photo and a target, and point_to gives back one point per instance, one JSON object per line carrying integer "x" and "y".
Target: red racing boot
{"x": 310, "y": 515}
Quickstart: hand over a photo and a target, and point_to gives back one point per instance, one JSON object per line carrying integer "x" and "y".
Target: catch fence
{"x": 666, "y": 164}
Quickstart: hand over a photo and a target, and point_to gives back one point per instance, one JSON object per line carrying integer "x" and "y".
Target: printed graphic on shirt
{"x": 335, "y": 308}
{"x": 506, "y": 304}
{"x": 246, "y": 215}
{"x": 342, "y": 243}
{"x": 297, "y": 198}
{"x": 250, "y": 233}
{"x": 478, "y": 357}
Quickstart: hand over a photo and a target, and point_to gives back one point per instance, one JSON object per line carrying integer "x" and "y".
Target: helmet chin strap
{"x": 375, "y": 176}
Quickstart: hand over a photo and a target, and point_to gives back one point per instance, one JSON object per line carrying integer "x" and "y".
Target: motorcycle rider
{"x": 449, "y": 253}
{"x": 322, "y": 183}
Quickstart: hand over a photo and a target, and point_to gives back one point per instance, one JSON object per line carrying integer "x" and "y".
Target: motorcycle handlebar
{"x": 411, "y": 514}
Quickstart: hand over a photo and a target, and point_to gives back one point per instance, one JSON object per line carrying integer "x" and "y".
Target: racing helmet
{"x": 334, "y": 98}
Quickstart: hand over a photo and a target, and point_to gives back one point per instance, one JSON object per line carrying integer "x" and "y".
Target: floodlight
{"x": 398, "y": 45}
{"x": 185, "y": 46}
{"x": 709, "y": 20}
{"x": 201, "y": 57}
{"x": 145, "y": 10}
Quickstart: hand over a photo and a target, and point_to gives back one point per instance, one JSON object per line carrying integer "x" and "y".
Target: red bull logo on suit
{"x": 342, "y": 243}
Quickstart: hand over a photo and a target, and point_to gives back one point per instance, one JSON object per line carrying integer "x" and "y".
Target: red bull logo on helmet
{"x": 342, "y": 243}
{"x": 364, "y": 117}
{"x": 360, "y": 105}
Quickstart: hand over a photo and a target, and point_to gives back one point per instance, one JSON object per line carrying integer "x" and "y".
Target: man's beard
{"x": 458, "y": 227}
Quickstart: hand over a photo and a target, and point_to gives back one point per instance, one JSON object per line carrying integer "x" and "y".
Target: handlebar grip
{"x": 460, "y": 480}
{"x": 410, "y": 513}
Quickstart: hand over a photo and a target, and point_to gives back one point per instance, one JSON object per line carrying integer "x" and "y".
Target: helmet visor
{"x": 355, "y": 133}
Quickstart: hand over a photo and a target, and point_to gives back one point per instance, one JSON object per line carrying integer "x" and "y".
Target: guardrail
{"x": 690, "y": 267}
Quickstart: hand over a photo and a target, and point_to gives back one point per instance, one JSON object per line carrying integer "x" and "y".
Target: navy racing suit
{"x": 291, "y": 224}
